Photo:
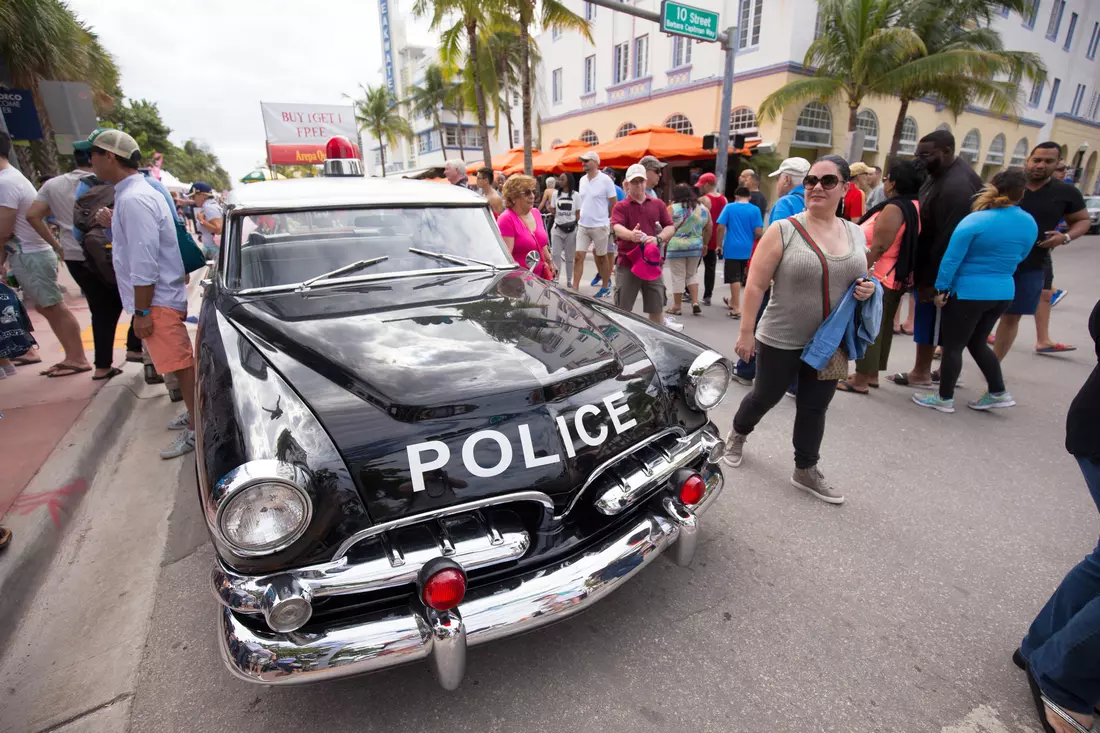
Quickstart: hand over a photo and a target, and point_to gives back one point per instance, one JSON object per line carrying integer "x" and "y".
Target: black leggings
{"x": 710, "y": 264}
{"x": 775, "y": 369}
{"x": 106, "y": 308}
{"x": 965, "y": 324}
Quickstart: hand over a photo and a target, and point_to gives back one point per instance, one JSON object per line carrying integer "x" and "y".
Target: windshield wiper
{"x": 452, "y": 258}
{"x": 341, "y": 270}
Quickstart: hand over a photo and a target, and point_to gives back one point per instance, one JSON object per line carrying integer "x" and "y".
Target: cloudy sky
{"x": 208, "y": 64}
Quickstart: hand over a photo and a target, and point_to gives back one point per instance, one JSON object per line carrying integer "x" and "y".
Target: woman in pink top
{"x": 891, "y": 229}
{"x": 522, "y": 227}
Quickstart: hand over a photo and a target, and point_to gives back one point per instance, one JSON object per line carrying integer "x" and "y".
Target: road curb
{"x": 43, "y": 510}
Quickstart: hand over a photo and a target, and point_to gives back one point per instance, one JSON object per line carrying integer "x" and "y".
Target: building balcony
{"x": 630, "y": 89}
{"x": 678, "y": 76}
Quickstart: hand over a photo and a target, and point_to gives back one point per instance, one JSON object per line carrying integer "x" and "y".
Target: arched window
{"x": 1019, "y": 153}
{"x": 625, "y": 129}
{"x": 971, "y": 147}
{"x": 743, "y": 121}
{"x": 996, "y": 154}
{"x": 908, "y": 143}
{"x": 944, "y": 126}
{"x": 868, "y": 123}
{"x": 679, "y": 123}
{"x": 589, "y": 137}
{"x": 557, "y": 141}
{"x": 814, "y": 126}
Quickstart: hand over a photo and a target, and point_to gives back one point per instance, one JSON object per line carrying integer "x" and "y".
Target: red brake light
{"x": 339, "y": 147}
{"x": 444, "y": 590}
{"x": 692, "y": 490}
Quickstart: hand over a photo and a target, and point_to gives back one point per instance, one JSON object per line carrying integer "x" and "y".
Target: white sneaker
{"x": 673, "y": 325}
{"x": 184, "y": 444}
{"x": 180, "y": 422}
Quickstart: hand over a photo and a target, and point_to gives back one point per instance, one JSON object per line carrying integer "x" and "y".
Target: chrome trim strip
{"x": 389, "y": 638}
{"x": 535, "y": 496}
{"x": 615, "y": 459}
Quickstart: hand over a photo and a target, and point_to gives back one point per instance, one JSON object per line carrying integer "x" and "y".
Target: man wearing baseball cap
{"x": 595, "y": 197}
{"x": 209, "y": 216}
{"x": 148, "y": 269}
{"x": 789, "y": 188}
{"x": 714, "y": 202}
{"x": 643, "y": 227}
{"x": 652, "y": 174}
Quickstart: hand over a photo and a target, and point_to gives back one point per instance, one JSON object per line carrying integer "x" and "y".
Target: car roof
{"x": 347, "y": 191}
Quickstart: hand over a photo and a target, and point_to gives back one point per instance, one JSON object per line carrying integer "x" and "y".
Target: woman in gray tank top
{"x": 807, "y": 260}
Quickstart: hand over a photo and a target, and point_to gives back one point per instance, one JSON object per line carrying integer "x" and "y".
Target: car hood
{"x": 441, "y": 390}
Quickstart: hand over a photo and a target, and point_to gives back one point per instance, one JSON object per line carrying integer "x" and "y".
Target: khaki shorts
{"x": 593, "y": 238}
{"x": 627, "y": 287}
{"x": 170, "y": 345}
{"x": 37, "y": 275}
{"x": 682, "y": 271}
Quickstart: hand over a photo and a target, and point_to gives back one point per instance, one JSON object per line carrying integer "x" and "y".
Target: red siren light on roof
{"x": 341, "y": 159}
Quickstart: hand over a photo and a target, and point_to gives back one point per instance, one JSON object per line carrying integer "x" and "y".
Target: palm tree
{"x": 963, "y": 58}
{"x": 502, "y": 45}
{"x": 429, "y": 99}
{"x": 378, "y": 113}
{"x": 457, "y": 94}
{"x": 551, "y": 15}
{"x": 461, "y": 43}
{"x": 42, "y": 39}
{"x": 862, "y": 52}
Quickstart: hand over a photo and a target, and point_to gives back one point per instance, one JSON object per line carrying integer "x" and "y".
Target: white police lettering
{"x": 418, "y": 466}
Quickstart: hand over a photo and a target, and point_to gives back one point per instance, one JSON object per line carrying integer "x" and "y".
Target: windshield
{"x": 292, "y": 247}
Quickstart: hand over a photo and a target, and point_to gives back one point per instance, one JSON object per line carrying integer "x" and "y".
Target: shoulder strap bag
{"x": 837, "y": 366}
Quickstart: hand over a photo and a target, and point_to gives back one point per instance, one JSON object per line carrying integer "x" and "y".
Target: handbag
{"x": 837, "y": 366}
{"x": 193, "y": 258}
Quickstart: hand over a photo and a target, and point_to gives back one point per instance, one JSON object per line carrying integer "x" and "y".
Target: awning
{"x": 551, "y": 160}
{"x": 500, "y": 162}
{"x": 663, "y": 143}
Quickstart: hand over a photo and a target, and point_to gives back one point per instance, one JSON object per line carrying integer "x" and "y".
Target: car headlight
{"x": 264, "y": 507}
{"x": 708, "y": 380}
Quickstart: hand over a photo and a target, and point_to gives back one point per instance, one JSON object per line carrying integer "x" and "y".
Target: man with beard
{"x": 1049, "y": 201}
{"x": 945, "y": 199}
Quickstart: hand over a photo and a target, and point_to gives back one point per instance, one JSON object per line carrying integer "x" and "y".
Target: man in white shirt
{"x": 148, "y": 268}
{"x": 595, "y": 197}
{"x": 34, "y": 263}
{"x": 209, "y": 216}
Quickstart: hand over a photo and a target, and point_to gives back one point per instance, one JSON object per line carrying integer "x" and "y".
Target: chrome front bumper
{"x": 506, "y": 608}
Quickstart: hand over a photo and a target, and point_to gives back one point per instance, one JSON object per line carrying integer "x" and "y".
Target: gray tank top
{"x": 794, "y": 311}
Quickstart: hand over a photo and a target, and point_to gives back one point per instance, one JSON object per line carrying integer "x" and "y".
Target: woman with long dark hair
{"x": 563, "y": 235}
{"x": 685, "y": 250}
{"x": 975, "y": 286}
{"x": 891, "y": 228}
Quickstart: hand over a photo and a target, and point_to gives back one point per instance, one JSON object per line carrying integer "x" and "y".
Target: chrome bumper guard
{"x": 506, "y": 608}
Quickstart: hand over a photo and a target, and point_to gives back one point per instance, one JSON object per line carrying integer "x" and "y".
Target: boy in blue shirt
{"x": 739, "y": 227}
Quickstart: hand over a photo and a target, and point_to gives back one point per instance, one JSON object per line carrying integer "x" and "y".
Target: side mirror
{"x": 532, "y": 260}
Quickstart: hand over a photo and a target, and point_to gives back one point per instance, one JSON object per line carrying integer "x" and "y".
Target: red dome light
{"x": 693, "y": 489}
{"x": 339, "y": 147}
{"x": 444, "y": 590}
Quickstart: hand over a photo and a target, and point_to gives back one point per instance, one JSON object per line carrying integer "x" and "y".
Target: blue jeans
{"x": 1062, "y": 647}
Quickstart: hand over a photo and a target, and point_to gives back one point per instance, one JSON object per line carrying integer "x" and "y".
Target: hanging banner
{"x": 17, "y": 106}
{"x": 297, "y": 133}
{"x": 387, "y": 48}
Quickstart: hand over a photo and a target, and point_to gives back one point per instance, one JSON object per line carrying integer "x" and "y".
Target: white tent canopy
{"x": 172, "y": 183}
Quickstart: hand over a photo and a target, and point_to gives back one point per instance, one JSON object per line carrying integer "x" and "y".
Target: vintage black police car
{"x": 408, "y": 445}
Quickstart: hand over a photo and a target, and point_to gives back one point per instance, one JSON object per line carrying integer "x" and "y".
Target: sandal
{"x": 114, "y": 372}
{"x": 1057, "y": 348}
{"x": 5, "y": 537}
{"x": 845, "y": 386}
{"x": 907, "y": 331}
{"x": 673, "y": 313}
{"x": 1043, "y": 703}
{"x": 65, "y": 370}
{"x": 902, "y": 380}
{"x": 735, "y": 316}
{"x": 24, "y": 361}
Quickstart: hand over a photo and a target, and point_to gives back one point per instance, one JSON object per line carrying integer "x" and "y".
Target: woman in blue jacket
{"x": 975, "y": 286}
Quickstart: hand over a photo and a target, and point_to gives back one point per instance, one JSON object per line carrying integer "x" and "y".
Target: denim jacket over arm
{"x": 852, "y": 324}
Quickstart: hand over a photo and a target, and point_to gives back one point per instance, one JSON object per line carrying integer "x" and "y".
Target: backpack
{"x": 96, "y": 244}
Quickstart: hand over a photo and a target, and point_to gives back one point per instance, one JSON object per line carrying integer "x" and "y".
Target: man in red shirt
{"x": 854, "y": 199}
{"x": 714, "y": 202}
{"x": 638, "y": 220}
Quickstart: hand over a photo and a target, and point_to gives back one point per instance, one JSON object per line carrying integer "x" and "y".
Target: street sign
{"x": 685, "y": 20}
{"x": 17, "y": 106}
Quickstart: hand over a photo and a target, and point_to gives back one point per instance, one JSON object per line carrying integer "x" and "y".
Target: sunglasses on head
{"x": 828, "y": 182}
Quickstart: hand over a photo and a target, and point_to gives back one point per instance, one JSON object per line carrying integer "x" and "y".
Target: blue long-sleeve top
{"x": 984, "y": 251}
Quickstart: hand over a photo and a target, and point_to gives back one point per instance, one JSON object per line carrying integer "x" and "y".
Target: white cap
{"x": 794, "y": 166}
{"x": 635, "y": 171}
{"x": 591, "y": 155}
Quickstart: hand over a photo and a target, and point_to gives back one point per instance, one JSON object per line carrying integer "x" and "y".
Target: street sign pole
{"x": 721, "y": 162}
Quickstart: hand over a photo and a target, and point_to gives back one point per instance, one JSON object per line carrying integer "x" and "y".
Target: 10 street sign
{"x": 685, "y": 20}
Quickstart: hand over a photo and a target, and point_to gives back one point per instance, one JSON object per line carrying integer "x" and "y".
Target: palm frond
{"x": 814, "y": 88}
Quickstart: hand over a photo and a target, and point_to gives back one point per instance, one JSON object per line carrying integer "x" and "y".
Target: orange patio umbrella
{"x": 664, "y": 143}
{"x": 550, "y": 161}
{"x": 499, "y": 162}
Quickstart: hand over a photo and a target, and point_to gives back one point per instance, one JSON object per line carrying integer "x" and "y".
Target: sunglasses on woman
{"x": 828, "y": 182}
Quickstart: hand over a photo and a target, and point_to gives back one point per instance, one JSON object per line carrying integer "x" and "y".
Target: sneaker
{"x": 9, "y": 370}
{"x": 933, "y": 400}
{"x": 733, "y": 453}
{"x": 813, "y": 481}
{"x": 706, "y": 301}
{"x": 696, "y": 309}
{"x": 1056, "y": 297}
{"x": 595, "y": 281}
{"x": 184, "y": 444}
{"x": 742, "y": 380}
{"x": 990, "y": 401}
{"x": 791, "y": 393}
{"x": 179, "y": 422}
{"x": 673, "y": 325}
{"x": 603, "y": 292}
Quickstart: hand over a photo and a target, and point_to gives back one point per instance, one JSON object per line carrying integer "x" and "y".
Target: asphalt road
{"x": 894, "y": 612}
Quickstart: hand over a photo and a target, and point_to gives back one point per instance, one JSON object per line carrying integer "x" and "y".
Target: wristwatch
{"x": 1068, "y": 238}
{"x": 142, "y": 313}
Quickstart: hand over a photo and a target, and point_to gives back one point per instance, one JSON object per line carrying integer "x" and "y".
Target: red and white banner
{"x": 297, "y": 133}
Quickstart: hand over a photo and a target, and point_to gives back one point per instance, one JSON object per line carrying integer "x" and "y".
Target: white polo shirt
{"x": 592, "y": 198}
